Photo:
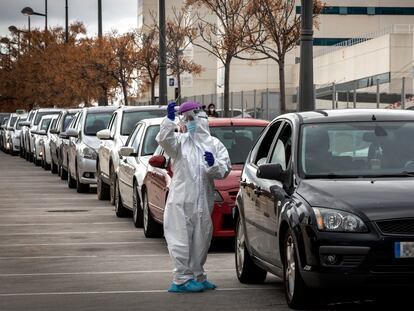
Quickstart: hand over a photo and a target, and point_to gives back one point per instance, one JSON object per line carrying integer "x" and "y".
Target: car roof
{"x": 141, "y": 108}
{"x": 48, "y": 109}
{"x": 352, "y": 115}
{"x": 213, "y": 122}
{"x": 100, "y": 109}
{"x": 152, "y": 121}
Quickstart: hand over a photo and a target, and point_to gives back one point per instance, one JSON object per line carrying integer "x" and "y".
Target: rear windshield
{"x": 96, "y": 122}
{"x": 131, "y": 118}
{"x": 44, "y": 113}
{"x": 237, "y": 139}
{"x": 66, "y": 120}
{"x": 150, "y": 144}
{"x": 19, "y": 123}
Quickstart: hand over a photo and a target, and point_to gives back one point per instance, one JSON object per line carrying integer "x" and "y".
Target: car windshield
{"x": 357, "y": 149}
{"x": 131, "y": 118}
{"x": 13, "y": 121}
{"x": 43, "y": 113}
{"x": 66, "y": 120}
{"x": 44, "y": 125}
{"x": 19, "y": 123}
{"x": 96, "y": 122}
{"x": 150, "y": 144}
{"x": 237, "y": 139}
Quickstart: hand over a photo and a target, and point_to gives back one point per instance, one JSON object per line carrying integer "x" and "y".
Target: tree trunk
{"x": 226, "y": 104}
{"x": 178, "y": 99}
{"x": 124, "y": 90}
{"x": 282, "y": 85}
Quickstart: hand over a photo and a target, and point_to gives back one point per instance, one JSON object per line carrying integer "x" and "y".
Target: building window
{"x": 343, "y": 10}
{"x": 370, "y": 10}
{"x": 328, "y": 41}
{"x": 360, "y": 10}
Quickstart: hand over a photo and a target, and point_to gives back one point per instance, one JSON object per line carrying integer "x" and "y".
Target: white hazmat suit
{"x": 187, "y": 218}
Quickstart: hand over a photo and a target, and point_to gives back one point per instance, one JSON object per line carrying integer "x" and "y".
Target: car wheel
{"x": 298, "y": 295}
{"x": 80, "y": 187}
{"x": 53, "y": 167}
{"x": 247, "y": 271}
{"x": 37, "y": 162}
{"x": 152, "y": 229}
{"x": 102, "y": 189}
{"x": 71, "y": 181}
{"x": 137, "y": 215}
{"x": 112, "y": 178}
{"x": 120, "y": 209}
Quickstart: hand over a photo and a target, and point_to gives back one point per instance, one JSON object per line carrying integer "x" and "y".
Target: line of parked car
{"x": 321, "y": 199}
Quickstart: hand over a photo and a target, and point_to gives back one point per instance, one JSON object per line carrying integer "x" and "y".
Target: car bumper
{"x": 87, "y": 171}
{"x": 222, "y": 217}
{"x": 360, "y": 260}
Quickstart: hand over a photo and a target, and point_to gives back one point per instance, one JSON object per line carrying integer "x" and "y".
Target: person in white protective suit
{"x": 197, "y": 159}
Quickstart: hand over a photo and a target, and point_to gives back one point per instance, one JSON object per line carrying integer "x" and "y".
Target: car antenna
{"x": 322, "y": 112}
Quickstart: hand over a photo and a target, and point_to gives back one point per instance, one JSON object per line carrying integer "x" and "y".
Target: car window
{"x": 113, "y": 123}
{"x": 237, "y": 139}
{"x": 149, "y": 143}
{"x": 133, "y": 139}
{"x": 67, "y": 120}
{"x": 58, "y": 121}
{"x": 96, "y": 121}
{"x": 52, "y": 125}
{"x": 19, "y": 123}
{"x": 39, "y": 115}
{"x": 282, "y": 151}
{"x": 31, "y": 115}
{"x": 130, "y": 118}
{"x": 12, "y": 121}
{"x": 261, "y": 150}
{"x": 45, "y": 124}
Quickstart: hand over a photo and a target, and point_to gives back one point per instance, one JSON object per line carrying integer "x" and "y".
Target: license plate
{"x": 404, "y": 249}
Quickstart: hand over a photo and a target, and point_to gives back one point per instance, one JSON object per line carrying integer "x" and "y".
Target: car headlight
{"x": 217, "y": 197}
{"x": 338, "y": 221}
{"x": 88, "y": 153}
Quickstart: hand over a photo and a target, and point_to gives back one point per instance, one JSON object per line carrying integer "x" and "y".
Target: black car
{"x": 327, "y": 200}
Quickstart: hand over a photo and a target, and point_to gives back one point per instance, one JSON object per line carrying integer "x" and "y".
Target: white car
{"x": 15, "y": 134}
{"x": 39, "y": 135}
{"x": 46, "y": 162}
{"x": 120, "y": 127}
{"x": 133, "y": 165}
{"x": 7, "y": 132}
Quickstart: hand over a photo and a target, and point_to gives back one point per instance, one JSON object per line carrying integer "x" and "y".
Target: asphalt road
{"x": 60, "y": 250}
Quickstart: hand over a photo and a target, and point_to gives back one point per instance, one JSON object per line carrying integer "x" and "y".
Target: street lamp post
{"x": 28, "y": 11}
{"x": 66, "y": 22}
{"x": 100, "y": 18}
{"x": 163, "y": 55}
{"x": 306, "y": 89}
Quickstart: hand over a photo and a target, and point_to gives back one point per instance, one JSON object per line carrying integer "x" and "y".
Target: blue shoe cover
{"x": 190, "y": 286}
{"x": 208, "y": 285}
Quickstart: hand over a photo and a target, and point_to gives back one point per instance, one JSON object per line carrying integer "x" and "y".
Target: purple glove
{"x": 208, "y": 156}
{"x": 171, "y": 111}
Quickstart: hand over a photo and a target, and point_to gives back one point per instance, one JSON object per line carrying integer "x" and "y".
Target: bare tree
{"x": 278, "y": 34}
{"x": 225, "y": 37}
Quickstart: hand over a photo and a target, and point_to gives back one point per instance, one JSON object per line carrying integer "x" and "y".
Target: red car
{"x": 238, "y": 135}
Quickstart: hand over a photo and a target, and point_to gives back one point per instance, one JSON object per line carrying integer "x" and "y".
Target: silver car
{"x": 39, "y": 135}
{"x": 24, "y": 135}
{"x": 83, "y": 146}
{"x": 56, "y": 142}
{"x": 44, "y": 143}
{"x": 120, "y": 127}
{"x": 15, "y": 134}
{"x": 7, "y": 133}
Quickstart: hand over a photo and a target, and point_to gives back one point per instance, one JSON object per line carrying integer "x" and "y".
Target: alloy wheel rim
{"x": 240, "y": 248}
{"x": 290, "y": 266}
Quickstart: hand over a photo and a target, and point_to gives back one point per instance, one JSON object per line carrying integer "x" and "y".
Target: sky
{"x": 116, "y": 14}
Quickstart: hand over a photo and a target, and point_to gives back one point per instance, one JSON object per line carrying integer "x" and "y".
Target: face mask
{"x": 191, "y": 127}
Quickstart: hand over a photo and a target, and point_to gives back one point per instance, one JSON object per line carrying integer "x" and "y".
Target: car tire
{"x": 120, "y": 209}
{"x": 298, "y": 295}
{"x": 102, "y": 189}
{"x": 137, "y": 213}
{"x": 37, "y": 162}
{"x": 80, "y": 187}
{"x": 112, "y": 179}
{"x": 53, "y": 168}
{"x": 247, "y": 271}
{"x": 63, "y": 173}
{"x": 71, "y": 180}
{"x": 152, "y": 229}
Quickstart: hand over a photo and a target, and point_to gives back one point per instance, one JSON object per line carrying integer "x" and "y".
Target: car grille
{"x": 402, "y": 226}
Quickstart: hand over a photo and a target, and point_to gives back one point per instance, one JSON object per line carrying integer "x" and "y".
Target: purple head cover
{"x": 187, "y": 106}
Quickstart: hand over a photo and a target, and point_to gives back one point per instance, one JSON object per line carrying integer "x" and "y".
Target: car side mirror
{"x": 127, "y": 152}
{"x": 271, "y": 171}
{"x": 72, "y": 133}
{"x": 158, "y": 161}
{"x": 41, "y": 132}
{"x": 104, "y": 134}
{"x": 10, "y": 128}
{"x": 63, "y": 135}
{"x": 54, "y": 131}
{"x": 25, "y": 123}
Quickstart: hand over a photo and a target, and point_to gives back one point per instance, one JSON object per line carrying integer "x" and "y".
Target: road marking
{"x": 155, "y": 291}
{"x": 71, "y": 232}
{"x": 101, "y": 272}
{"x": 81, "y": 243}
{"x": 65, "y": 223}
